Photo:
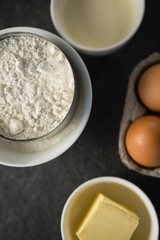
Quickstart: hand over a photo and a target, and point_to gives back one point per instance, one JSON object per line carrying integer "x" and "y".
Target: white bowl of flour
{"x": 37, "y": 86}
{"x": 45, "y": 138}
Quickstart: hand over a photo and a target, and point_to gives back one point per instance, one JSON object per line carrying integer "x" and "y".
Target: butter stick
{"x": 107, "y": 220}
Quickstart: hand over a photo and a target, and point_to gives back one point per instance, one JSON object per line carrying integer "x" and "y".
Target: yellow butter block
{"x": 107, "y": 220}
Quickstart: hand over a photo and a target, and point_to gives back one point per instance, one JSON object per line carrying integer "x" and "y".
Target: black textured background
{"x": 31, "y": 199}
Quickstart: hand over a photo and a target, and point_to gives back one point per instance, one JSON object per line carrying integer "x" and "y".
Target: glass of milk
{"x": 97, "y": 27}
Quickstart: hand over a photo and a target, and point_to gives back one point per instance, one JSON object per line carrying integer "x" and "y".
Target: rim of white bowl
{"x": 154, "y": 234}
{"x": 90, "y": 50}
{"x": 16, "y": 158}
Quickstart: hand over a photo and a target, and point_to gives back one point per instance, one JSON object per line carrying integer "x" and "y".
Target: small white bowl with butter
{"x": 109, "y": 208}
{"x": 97, "y": 27}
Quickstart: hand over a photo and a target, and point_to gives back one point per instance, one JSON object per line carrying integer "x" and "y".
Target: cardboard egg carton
{"x": 133, "y": 109}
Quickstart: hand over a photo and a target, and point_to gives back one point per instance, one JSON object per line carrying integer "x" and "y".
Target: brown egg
{"x": 149, "y": 88}
{"x": 143, "y": 141}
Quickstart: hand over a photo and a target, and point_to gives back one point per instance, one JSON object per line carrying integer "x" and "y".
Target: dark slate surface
{"x": 31, "y": 199}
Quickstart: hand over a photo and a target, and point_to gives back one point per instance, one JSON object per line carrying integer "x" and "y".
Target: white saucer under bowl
{"x": 15, "y": 158}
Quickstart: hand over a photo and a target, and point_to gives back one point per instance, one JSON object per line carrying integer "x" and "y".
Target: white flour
{"x": 36, "y": 87}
